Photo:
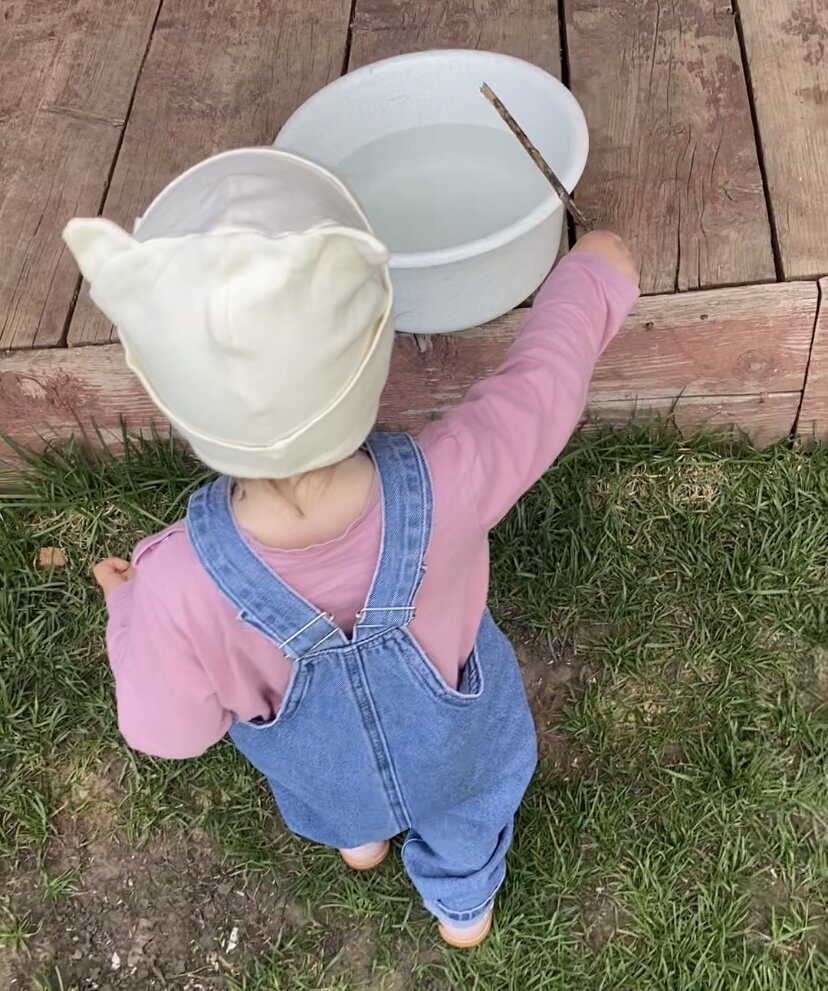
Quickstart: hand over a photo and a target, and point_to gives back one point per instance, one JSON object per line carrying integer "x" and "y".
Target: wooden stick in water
{"x": 537, "y": 158}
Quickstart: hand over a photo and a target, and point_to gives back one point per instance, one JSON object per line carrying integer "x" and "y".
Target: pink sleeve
{"x": 512, "y": 426}
{"x": 167, "y": 706}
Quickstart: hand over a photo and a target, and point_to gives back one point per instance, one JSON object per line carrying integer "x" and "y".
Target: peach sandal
{"x": 366, "y": 857}
{"x": 465, "y": 938}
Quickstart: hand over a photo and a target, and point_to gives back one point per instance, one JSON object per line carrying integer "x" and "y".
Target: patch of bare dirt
{"x": 772, "y": 901}
{"x": 357, "y": 954}
{"x": 601, "y": 918}
{"x": 166, "y": 916}
{"x": 355, "y": 951}
{"x": 553, "y": 674}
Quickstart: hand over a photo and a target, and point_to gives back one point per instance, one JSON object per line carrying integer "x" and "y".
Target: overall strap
{"x": 262, "y": 598}
{"x": 407, "y": 507}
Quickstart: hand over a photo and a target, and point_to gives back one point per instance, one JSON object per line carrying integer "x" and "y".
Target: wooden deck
{"x": 709, "y": 131}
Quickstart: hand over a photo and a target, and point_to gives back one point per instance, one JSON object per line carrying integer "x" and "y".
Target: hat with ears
{"x": 254, "y": 304}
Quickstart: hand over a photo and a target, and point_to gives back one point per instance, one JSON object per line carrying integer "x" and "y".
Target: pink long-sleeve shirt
{"x": 184, "y": 665}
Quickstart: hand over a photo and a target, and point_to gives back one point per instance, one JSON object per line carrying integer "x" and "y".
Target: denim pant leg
{"x": 457, "y": 870}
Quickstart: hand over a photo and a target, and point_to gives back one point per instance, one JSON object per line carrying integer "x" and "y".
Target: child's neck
{"x": 309, "y": 509}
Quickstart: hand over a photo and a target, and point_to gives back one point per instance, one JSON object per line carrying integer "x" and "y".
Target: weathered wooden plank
{"x": 55, "y": 392}
{"x": 48, "y": 394}
{"x": 746, "y": 339}
{"x": 762, "y": 418}
{"x": 527, "y": 29}
{"x": 729, "y": 348}
{"x": 743, "y": 340}
{"x": 67, "y": 73}
{"x": 787, "y": 48}
{"x": 813, "y": 417}
{"x": 217, "y": 76}
{"x": 673, "y": 163}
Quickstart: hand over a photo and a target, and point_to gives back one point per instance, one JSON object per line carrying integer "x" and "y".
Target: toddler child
{"x": 324, "y": 600}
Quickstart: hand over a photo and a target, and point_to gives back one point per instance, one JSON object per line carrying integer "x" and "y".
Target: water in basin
{"x": 443, "y": 185}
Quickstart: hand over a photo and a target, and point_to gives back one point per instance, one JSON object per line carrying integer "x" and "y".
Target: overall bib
{"x": 369, "y": 740}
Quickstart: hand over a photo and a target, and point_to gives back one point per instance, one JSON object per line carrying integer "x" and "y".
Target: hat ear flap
{"x": 94, "y": 242}
{"x": 371, "y": 249}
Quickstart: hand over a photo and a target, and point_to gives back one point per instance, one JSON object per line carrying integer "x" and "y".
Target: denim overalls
{"x": 369, "y": 741}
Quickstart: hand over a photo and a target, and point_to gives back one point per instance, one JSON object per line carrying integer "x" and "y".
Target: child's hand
{"x": 112, "y": 572}
{"x": 611, "y": 249}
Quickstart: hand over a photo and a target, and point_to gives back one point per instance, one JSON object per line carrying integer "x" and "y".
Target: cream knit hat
{"x": 254, "y": 304}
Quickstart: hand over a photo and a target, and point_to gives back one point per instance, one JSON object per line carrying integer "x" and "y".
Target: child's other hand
{"x": 112, "y": 572}
{"x": 611, "y": 249}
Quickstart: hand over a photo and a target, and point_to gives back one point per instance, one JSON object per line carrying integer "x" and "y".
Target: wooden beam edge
{"x": 812, "y": 421}
{"x": 59, "y": 389}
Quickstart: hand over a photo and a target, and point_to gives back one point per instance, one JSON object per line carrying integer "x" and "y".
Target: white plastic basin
{"x": 472, "y": 226}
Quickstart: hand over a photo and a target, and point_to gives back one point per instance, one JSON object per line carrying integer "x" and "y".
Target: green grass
{"x": 687, "y": 847}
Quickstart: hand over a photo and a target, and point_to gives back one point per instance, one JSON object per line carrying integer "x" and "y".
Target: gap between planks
{"x": 786, "y": 44}
{"x": 673, "y": 163}
{"x": 812, "y": 419}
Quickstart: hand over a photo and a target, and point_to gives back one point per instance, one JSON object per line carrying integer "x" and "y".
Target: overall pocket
{"x": 472, "y": 681}
{"x": 298, "y": 685}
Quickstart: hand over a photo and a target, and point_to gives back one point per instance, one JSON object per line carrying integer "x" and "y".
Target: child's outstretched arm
{"x": 512, "y": 426}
